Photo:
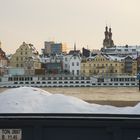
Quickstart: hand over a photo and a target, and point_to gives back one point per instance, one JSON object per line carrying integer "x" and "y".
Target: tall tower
{"x": 111, "y": 43}
{"x": 75, "y": 47}
{"x": 108, "y": 42}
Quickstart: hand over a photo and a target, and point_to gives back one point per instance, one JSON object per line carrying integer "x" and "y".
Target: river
{"x": 118, "y": 96}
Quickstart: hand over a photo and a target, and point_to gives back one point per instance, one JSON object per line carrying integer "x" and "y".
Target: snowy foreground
{"x": 35, "y": 100}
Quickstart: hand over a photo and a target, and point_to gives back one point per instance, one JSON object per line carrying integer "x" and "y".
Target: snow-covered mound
{"x": 35, "y": 100}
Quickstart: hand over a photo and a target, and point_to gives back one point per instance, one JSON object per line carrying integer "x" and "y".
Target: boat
{"x": 68, "y": 81}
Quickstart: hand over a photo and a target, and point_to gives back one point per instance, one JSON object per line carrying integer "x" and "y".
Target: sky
{"x": 68, "y": 21}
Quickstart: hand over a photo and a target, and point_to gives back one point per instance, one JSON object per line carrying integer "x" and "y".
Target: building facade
{"x": 74, "y": 64}
{"x": 3, "y": 62}
{"x": 107, "y": 66}
{"x": 54, "y": 48}
{"x": 27, "y": 57}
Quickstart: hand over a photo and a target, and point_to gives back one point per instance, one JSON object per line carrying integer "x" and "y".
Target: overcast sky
{"x": 80, "y": 21}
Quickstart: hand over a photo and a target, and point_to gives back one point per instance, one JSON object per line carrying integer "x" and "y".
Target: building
{"x": 52, "y": 65}
{"x": 123, "y": 51}
{"x": 108, "y": 65}
{"x": 85, "y": 52}
{"x": 71, "y": 64}
{"x": 110, "y": 49}
{"x": 130, "y": 65}
{"x": 54, "y": 48}
{"x": 101, "y": 65}
{"x": 27, "y": 57}
{"x": 3, "y": 62}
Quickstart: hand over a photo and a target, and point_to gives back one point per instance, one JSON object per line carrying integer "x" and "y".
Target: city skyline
{"x": 80, "y": 21}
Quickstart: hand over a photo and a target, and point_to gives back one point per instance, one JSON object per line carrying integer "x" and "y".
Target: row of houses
{"x": 27, "y": 61}
{"x": 110, "y": 60}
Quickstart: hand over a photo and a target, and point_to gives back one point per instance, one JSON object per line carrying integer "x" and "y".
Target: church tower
{"x": 108, "y": 42}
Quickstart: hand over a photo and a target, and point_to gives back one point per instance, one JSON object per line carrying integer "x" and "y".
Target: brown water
{"x": 119, "y": 96}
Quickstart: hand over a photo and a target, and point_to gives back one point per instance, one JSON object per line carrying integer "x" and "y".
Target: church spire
{"x": 75, "y": 46}
{"x": 108, "y": 42}
{"x": 106, "y": 32}
{"x": 110, "y": 33}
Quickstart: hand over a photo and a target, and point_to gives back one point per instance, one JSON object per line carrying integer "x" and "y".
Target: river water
{"x": 118, "y": 96}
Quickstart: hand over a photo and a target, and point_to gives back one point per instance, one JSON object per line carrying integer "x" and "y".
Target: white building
{"x": 71, "y": 64}
{"x": 122, "y": 51}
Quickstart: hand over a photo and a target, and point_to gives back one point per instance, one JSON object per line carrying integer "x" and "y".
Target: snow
{"x": 35, "y": 100}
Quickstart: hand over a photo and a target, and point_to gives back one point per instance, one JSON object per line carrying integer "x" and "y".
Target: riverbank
{"x": 116, "y": 96}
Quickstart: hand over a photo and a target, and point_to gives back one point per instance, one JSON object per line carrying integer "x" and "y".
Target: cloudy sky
{"x": 80, "y": 21}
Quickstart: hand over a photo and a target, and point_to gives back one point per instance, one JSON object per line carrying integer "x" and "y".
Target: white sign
{"x": 10, "y": 134}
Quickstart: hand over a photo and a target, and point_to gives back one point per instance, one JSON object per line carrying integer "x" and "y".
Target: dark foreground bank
{"x": 69, "y": 127}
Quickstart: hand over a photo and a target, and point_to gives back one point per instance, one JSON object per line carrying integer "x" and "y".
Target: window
{"x": 77, "y": 63}
{"x": 72, "y": 71}
{"x": 16, "y": 65}
{"x": 66, "y": 78}
{"x": 133, "y": 50}
{"x": 60, "y": 78}
{"x": 78, "y": 72}
{"x": 72, "y": 63}
{"x": 17, "y": 58}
